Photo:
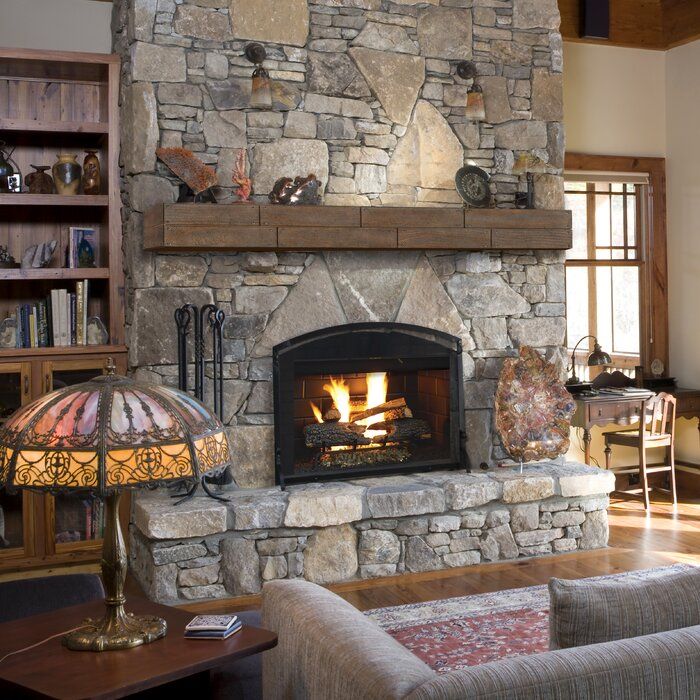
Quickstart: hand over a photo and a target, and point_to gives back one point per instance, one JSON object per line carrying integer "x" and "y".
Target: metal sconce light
{"x": 261, "y": 90}
{"x": 475, "y": 109}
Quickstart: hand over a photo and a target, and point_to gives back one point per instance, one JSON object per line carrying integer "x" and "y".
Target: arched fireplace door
{"x": 367, "y": 399}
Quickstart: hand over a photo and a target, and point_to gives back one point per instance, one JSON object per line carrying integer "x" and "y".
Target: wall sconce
{"x": 475, "y": 97}
{"x": 261, "y": 90}
{"x": 597, "y": 358}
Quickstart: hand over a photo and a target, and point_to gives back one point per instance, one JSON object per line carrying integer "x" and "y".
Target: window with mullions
{"x": 603, "y": 268}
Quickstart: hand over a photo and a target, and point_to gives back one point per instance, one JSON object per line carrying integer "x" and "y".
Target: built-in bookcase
{"x": 50, "y": 103}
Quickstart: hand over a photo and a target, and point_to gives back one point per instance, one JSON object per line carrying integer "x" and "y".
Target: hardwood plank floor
{"x": 637, "y": 541}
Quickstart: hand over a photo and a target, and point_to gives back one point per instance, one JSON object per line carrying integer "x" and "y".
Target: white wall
{"x": 63, "y": 25}
{"x": 614, "y": 100}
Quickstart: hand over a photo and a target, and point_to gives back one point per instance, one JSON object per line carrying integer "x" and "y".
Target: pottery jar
{"x": 39, "y": 181}
{"x": 92, "y": 178}
{"x": 66, "y": 174}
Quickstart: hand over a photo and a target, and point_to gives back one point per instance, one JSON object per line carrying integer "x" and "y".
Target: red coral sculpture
{"x": 198, "y": 176}
{"x": 243, "y": 183}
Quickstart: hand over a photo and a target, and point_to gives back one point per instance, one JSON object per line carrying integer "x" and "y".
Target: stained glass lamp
{"x": 102, "y": 437}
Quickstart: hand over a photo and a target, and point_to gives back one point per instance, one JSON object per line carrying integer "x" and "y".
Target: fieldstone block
{"x": 536, "y": 14}
{"x": 499, "y": 516}
{"x": 445, "y": 33}
{"x": 233, "y": 93}
{"x": 535, "y": 550}
{"x": 240, "y": 566}
{"x": 499, "y": 544}
{"x": 428, "y": 154}
{"x": 579, "y": 480}
{"x": 258, "y": 509}
{"x": 564, "y": 545}
{"x": 462, "y": 544}
{"x": 566, "y": 518}
{"x": 300, "y": 125}
{"x": 154, "y": 63}
{"x": 180, "y": 552}
{"x": 525, "y": 517}
{"x": 412, "y": 526}
{"x": 202, "y": 23}
{"x": 521, "y": 135}
{"x": 496, "y": 102}
{"x": 470, "y": 490}
{"x": 473, "y": 519}
{"x": 379, "y": 547}
{"x": 445, "y": 523}
{"x": 594, "y": 530}
{"x": 409, "y": 499}
{"x": 466, "y": 558}
{"x": 477, "y": 425}
{"x": 268, "y": 21}
{"x": 139, "y": 128}
{"x": 225, "y": 129}
{"x": 490, "y": 333}
{"x": 573, "y": 532}
{"x": 156, "y": 518}
{"x": 437, "y": 539}
{"x": 315, "y": 505}
{"x": 420, "y": 556}
{"x": 376, "y": 570}
{"x": 484, "y": 295}
{"x": 527, "y": 488}
{"x": 426, "y": 303}
{"x": 203, "y": 592}
{"x": 252, "y": 455}
{"x": 273, "y": 567}
{"x": 216, "y": 66}
{"x": 537, "y": 537}
{"x": 146, "y": 190}
{"x": 385, "y": 37}
{"x": 394, "y": 78}
{"x": 180, "y": 270}
{"x": 298, "y": 156}
{"x": 200, "y": 576}
{"x": 370, "y": 285}
{"x": 331, "y": 555}
{"x": 332, "y": 73}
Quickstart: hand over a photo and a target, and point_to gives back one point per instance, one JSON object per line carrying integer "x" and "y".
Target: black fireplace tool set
{"x": 192, "y": 322}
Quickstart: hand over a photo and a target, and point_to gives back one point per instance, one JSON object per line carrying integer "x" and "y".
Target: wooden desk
{"x": 52, "y": 671}
{"x": 606, "y": 410}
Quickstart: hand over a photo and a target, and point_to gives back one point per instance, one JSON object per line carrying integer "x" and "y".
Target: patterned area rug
{"x": 458, "y": 632}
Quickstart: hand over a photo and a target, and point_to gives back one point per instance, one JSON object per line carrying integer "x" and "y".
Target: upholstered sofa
{"x": 328, "y": 650}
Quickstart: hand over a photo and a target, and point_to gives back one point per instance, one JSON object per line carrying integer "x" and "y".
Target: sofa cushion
{"x": 590, "y": 611}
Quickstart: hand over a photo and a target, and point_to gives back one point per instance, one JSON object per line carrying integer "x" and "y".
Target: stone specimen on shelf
{"x": 301, "y": 190}
{"x": 39, "y": 255}
{"x": 533, "y": 408}
{"x": 191, "y": 170}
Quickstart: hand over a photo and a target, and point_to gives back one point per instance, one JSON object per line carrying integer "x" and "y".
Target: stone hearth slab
{"x": 373, "y": 527}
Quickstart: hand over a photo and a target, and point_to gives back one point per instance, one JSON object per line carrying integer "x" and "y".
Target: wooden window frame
{"x": 654, "y": 341}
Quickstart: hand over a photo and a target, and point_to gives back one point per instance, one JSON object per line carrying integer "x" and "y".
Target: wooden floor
{"x": 637, "y": 541}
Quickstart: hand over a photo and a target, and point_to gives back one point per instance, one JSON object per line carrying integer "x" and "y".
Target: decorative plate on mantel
{"x": 533, "y": 408}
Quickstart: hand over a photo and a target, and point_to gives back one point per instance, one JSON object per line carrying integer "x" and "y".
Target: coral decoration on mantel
{"x": 226, "y": 227}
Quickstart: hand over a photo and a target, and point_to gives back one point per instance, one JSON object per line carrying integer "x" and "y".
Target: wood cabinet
{"x": 57, "y": 102}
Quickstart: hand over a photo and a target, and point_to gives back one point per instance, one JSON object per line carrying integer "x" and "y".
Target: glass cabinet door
{"x": 73, "y": 519}
{"x": 16, "y": 538}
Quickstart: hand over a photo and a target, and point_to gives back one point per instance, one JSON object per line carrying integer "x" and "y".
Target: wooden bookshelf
{"x": 52, "y": 102}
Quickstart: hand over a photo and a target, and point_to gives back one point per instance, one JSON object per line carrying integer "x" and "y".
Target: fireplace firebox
{"x": 367, "y": 399}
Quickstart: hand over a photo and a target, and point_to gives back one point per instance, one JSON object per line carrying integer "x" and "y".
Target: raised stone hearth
{"x": 364, "y": 529}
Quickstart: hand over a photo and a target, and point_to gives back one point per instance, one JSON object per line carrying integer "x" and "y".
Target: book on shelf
{"x": 60, "y": 320}
{"x": 82, "y": 246}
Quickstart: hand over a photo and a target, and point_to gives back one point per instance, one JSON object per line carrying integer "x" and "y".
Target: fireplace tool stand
{"x": 187, "y": 318}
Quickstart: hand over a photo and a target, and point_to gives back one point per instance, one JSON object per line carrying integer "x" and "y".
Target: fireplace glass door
{"x": 367, "y": 399}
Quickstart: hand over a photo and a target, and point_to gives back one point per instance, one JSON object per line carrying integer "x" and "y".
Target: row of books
{"x": 57, "y": 321}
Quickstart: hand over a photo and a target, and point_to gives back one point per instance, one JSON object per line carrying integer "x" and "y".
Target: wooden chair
{"x": 656, "y": 429}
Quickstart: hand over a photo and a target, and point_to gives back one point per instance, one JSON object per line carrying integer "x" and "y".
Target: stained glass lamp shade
{"x": 101, "y": 437}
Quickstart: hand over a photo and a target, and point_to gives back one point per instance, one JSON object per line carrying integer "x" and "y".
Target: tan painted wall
{"x": 614, "y": 100}
{"x": 65, "y": 25}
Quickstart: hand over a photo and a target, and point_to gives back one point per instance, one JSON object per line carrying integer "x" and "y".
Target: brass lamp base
{"x": 103, "y": 635}
{"x": 117, "y": 629}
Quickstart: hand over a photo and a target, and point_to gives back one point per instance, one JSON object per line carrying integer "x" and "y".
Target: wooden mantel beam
{"x": 237, "y": 227}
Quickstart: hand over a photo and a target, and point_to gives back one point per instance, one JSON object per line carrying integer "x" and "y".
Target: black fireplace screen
{"x": 367, "y": 399}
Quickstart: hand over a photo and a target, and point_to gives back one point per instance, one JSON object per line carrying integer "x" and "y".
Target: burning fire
{"x": 377, "y": 386}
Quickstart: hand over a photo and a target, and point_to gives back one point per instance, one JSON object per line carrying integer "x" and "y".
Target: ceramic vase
{"x": 92, "y": 178}
{"x": 39, "y": 181}
{"x": 66, "y": 174}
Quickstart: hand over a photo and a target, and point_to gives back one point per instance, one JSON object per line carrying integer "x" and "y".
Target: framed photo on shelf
{"x": 82, "y": 246}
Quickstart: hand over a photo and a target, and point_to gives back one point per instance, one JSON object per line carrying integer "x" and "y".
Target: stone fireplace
{"x": 367, "y": 97}
{"x": 365, "y": 400}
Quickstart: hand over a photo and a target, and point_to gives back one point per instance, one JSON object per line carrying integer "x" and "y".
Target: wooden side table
{"x": 623, "y": 410}
{"x": 52, "y": 671}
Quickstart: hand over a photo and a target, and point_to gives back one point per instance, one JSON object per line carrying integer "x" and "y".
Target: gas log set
{"x": 363, "y": 430}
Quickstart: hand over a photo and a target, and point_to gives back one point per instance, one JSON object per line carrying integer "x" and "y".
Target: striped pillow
{"x": 590, "y": 611}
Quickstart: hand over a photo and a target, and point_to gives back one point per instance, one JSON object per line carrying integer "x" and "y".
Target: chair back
{"x": 659, "y": 415}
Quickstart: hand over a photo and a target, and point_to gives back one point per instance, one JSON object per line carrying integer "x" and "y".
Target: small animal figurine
{"x": 301, "y": 190}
